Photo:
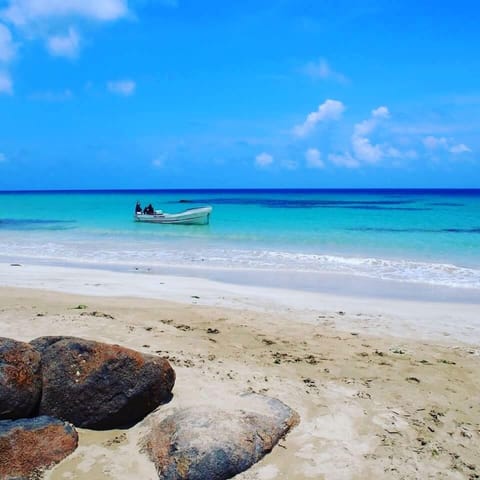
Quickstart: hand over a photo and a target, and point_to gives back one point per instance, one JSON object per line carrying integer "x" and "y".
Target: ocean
{"x": 428, "y": 237}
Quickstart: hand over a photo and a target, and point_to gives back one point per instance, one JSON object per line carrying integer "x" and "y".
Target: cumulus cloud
{"x": 363, "y": 149}
{"x": 432, "y": 143}
{"x": 5, "y": 83}
{"x": 7, "y": 47}
{"x": 330, "y": 110}
{"x": 322, "y": 70}
{"x": 314, "y": 158}
{"x": 343, "y": 160}
{"x": 460, "y": 148}
{"x": 122, "y": 87}
{"x": 381, "y": 112}
{"x": 362, "y": 146}
{"x": 263, "y": 160}
{"x": 40, "y": 18}
{"x": 7, "y": 53}
{"x": 64, "y": 45}
{"x": 442, "y": 143}
{"x": 23, "y": 12}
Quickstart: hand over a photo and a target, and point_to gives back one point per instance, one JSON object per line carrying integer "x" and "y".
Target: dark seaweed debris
{"x": 311, "y": 203}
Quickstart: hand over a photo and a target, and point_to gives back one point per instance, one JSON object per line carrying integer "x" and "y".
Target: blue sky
{"x": 208, "y": 93}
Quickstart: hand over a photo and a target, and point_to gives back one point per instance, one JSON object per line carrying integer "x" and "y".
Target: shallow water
{"x": 415, "y": 236}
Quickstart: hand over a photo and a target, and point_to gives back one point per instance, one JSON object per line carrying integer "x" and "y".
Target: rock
{"x": 197, "y": 443}
{"x": 100, "y": 386}
{"x": 40, "y": 344}
{"x": 20, "y": 379}
{"x": 29, "y": 446}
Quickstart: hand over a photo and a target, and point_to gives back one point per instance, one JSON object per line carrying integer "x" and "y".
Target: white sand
{"x": 384, "y": 389}
{"x": 401, "y": 318}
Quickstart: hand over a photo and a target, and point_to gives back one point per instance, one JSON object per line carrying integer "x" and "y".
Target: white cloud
{"x": 3, "y": 158}
{"x": 362, "y": 146}
{"x": 314, "y": 158}
{"x": 381, "y": 112}
{"x": 433, "y": 128}
{"x": 7, "y": 53}
{"x": 64, "y": 45}
{"x": 41, "y": 19}
{"x": 364, "y": 151}
{"x": 345, "y": 160}
{"x": 442, "y": 143}
{"x": 263, "y": 160}
{"x": 22, "y": 12}
{"x": 122, "y": 87}
{"x": 322, "y": 70}
{"x": 460, "y": 148}
{"x": 330, "y": 110}
{"x": 5, "y": 83}
{"x": 7, "y": 47}
{"x": 432, "y": 143}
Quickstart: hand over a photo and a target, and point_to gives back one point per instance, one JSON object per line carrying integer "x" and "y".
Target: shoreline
{"x": 336, "y": 283}
{"x": 441, "y": 321}
{"x": 383, "y": 405}
{"x": 390, "y": 276}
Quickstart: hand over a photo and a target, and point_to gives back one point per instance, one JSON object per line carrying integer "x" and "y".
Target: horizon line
{"x": 277, "y": 189}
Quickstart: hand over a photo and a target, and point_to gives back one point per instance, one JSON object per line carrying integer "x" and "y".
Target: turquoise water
{"x": 430, "y": 237}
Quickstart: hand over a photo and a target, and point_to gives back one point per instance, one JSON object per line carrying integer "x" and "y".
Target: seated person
{"x": 138, "y": 208}
{"x": 149, "y": 209}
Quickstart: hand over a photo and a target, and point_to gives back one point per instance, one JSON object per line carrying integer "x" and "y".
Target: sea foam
{"x": 151, "y": 255}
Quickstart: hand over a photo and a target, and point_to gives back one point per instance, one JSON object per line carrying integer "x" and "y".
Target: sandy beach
{"x": 252, "y": 230}
{"x": 383, "y": 388}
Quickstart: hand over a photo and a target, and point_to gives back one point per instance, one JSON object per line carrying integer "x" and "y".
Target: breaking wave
{"x": 149, "y": 254}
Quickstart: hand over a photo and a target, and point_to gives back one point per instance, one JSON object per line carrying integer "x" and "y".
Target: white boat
{"x": 192, "y": 216}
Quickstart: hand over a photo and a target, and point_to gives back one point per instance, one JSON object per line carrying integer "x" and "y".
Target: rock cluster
{"x": 68, "y": 380}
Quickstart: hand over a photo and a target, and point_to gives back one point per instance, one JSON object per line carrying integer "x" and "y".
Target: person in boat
{"x": 149, "y": 210}
{"x": 138, "y": 208}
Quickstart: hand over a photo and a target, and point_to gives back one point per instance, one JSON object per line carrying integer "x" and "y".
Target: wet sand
{"x": 371, "y": 405}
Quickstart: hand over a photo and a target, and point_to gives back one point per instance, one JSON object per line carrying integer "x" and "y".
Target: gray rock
{"x": 20, "y": 379}
{"x": 29, "y": 446}
{"x": 208, "y": 443}
{"x": 100, "y": 386}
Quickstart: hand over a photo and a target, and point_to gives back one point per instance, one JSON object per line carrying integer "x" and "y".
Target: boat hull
{"x": 193, "y": 216}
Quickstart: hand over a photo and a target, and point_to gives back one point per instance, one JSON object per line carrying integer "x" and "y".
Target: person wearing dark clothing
{"x": 138, "y": 208}
{"x": 148, "y": 210}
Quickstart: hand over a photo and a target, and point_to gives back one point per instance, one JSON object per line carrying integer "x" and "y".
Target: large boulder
{"x": 29, "y": 446}
{"x": 40, "y": 344}
{"x": 100, "y": 386}
{"x": 204, "y": 442}
{"x": 20, "y": 379}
